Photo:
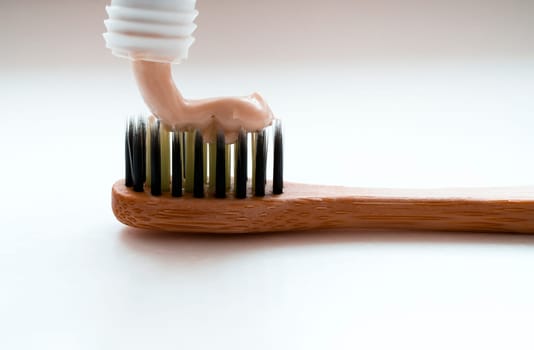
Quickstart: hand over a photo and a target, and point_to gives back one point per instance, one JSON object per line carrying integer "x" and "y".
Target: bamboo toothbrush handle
{"x": 304, "y": 207}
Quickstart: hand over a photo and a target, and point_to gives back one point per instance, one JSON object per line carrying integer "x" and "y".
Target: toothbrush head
{"x": 161, "y": 160}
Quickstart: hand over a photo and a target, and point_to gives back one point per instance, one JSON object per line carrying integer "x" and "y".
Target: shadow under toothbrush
{"x": 195, "y": 248}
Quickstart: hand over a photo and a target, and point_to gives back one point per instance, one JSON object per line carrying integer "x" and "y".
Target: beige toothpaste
{"x": 154, "y": 34}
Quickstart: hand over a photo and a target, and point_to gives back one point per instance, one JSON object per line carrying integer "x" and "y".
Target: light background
{"x": 63, "y": 32}
{"x": 372, "y": 93}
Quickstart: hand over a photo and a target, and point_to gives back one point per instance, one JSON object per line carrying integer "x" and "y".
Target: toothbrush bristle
{"x": 128, "y": 182}
{"x": 176, "y": 165}
{"x": 241, "y": 166}
{"x": 165, "y": 158}
{"x": 175, "y": 161}
{"x": 261, "y": 164}
{"x": 189, "y": 153}
{"x": 198, "y": 182}
{"x": 142, "y": 124}
{"x": 220, "y": 167}
{"x": 278, "y": 162}
{"x": 137, "y": 159}
{"x": 155, "y": 158}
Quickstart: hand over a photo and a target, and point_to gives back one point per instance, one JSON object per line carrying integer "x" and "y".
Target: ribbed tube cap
{"x": 151, "y": 30}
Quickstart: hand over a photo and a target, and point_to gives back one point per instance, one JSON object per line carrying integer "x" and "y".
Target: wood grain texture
{"x": 305, "y": 207}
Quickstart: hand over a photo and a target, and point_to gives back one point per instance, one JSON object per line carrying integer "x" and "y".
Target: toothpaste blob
{"x": 156, "y": 33}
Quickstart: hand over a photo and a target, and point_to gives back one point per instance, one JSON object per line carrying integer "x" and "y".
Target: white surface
{"x": 73, "y": 277}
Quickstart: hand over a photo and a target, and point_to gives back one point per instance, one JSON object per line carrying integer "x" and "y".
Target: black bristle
{"x": 261, "y": 164}
{"x": 184, "y": 144}
{"x": 128, "y": 154}
{"x": 142, "y": 123}
{"x": 184, "y": 153}
{"x": 198, "y": 181}
{"x": 241, "y": 166}
{"x": 176, "y": 165}
{"x": 220, "y": 167}
{"x": 155, "y": 158}
{"x": 137, "y": 159}
{"x": 278, "y": 164}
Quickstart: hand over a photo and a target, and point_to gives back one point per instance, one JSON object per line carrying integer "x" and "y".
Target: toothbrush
{"x": 178, "y": 163}
{"x": 256, "y": 206}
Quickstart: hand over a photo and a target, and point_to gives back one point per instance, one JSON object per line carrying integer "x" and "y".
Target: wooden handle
{"x": 304, "y": 207}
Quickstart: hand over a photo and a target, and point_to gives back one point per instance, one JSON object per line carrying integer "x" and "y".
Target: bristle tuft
{"x": 241, "y": 166}
{"x": 155, "y": 156}
{"x": 220, "y": 167}
{"x": 176, "y": 165}
{"x": 128, "y": 153}
{"x": 189, "y": 151}
{"x": 142, "y": 128}
{"x": 137, "y": 158}
{"x": 165, "y": 150}
{"x": 198, "y": 180}
{"x": 278, "y": 163}
{"x": 261, "y": 164}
